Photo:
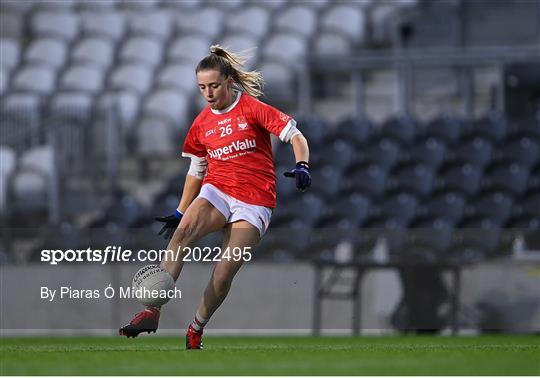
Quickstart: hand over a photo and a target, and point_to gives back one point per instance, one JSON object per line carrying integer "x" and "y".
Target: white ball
{"x": 150, "y": 279}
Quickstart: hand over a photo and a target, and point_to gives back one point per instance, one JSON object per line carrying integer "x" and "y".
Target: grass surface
{"x": 390, "y": 355}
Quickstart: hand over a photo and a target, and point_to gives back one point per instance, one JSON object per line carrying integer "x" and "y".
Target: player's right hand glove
{"x": 302, "y": 175}
{"x": 171, "y": 224}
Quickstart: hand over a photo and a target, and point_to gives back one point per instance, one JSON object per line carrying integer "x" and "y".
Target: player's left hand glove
{"x": 171, "y": 224}
{"x": 302, "y": 175}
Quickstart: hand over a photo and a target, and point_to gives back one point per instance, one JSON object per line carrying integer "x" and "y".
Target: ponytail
{"x": 232, "y": 65}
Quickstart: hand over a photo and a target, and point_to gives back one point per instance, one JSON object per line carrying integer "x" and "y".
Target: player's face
{"x": 216, "y": 89}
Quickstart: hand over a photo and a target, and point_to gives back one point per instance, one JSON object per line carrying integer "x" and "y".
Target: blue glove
{"x": 302, "y": 175}
{"x": 171, "y": 224}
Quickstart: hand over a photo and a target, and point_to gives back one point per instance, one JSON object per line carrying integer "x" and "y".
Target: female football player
{"x": 231, "y": 179}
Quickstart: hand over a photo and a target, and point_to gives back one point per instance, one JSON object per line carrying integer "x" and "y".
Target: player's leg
{"x": 240, "y": 236}
{"x": 200, "y": 219}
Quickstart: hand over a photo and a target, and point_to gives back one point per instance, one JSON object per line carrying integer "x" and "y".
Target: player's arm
{"x": 301, "y": 172}
{"x": 300, "y": 148}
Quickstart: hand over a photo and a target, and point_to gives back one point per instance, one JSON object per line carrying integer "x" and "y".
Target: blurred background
{"x": 423, "y": 119}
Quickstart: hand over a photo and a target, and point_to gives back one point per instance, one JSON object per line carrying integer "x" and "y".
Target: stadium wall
{"x": 267, "y": 298}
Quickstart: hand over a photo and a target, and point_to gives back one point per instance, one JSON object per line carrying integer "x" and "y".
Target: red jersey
{"x": 236, "y": 144}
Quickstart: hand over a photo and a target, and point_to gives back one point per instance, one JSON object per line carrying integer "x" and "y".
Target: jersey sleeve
{"x": 192, "y": 144}
{"x": 273, "y": 120}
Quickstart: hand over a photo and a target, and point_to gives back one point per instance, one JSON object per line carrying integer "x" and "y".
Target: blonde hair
{"x": 231, "y": 65}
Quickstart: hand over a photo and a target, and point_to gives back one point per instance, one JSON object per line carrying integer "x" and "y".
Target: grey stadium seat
{"x": 37, "y": 79}
{"x": 331, "y": 43}
{"x": 9, "y": 53}
{"x": 207, "y": 22}
{"x": 75, "y": 105}
{"x": 155, "y": 136}
{"x": 56, "y": 5}
{"x": 297, "y": 18}
{"x": 146, "y": 50}
{"x": 190, "y": 49}
{"x": 229, "y": 5}
{"x": 62, "y": 25}
{"x": 126, "y": 104}
{"x": 181, "y": 5}
{"x": 133, "y": 77}
{"x": 153, "y": 23}
{"x": 279, "y": 79}
{"x": 84, "y": 78}
{"x": 21, "y": 104}
{"x": 99, "y": 51}
{"x": 348, "y": 20}
{"x": 285, "y": 47}
{"x": 170, "y": 105}
{"x": 179, "y": 76}
{"x": 4, "y": 80}
{"x": 239, "y": 42}
{"x": 7, "y": 167}
{"x": 111, "y": 25}
{"x": 253, "y": 20}
{"x": 99, "y": 6}
{"x": 18, "y": 6}
{"x": 142, "y": 5}
{"x": 47, "y": 50}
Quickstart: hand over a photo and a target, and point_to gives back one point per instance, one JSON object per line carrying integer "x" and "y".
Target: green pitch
{"x": 391, "y": 355}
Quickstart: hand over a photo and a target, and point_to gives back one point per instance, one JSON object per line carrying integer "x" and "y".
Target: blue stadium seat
{"x": 493, "y": 127}
{"x": 314, "y": 128}
{"x": 339, "y": 153}
{"x": 400, "y": 207}
{"x": 357, "y": 130}
{"x": 445, "y": 128}
{"x": 416, "y": 179}
{"x": 461, "y": 178}
{"x": 427, "y": 240}
{"x": 369, "y": 180}
{"x": 384, "y": 152}
{"x": 401, "y": 129}
{"x": 495, "y": 206}
{"x": 354, "y": 209}
{"x": 327, "y": 181}
{"x": 523, "y": 150}
{"x": 474, "y": 241}
{"x": 510, "y": 178}
{"x": 448, "y": 206}
{"x": 430, "y": 152}
{"x": 477, "y": 151}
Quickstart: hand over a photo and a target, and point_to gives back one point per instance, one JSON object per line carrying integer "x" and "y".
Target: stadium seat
{"x": 63, "y": 25}
{"x": 315, "y": 4}
{"x": 326, "y": 181}
{"x": 523, "y": 150}
{"x": 126, "y": 104}
{"x": 170, "y": 105}
{"x": 477, "y": 151}
{"x": 357, "y": 130}
{"x": 384, "y": 152}
{"x": 474, "y": 241}
{"x": 241, "y": 42}
{"x": 21, "y": 105}
{"x": 430, "y": 151}
{"x": 74, "y": 105}
{"x": 340, "y": 150}
{"x": 449, "y": 206}
{"x": 139, "y": 5}
{"x": 446, "y": 128}
{"x": 331, "y": 43}
{"x": 288, "y": 48}
{"x": 427, "y": 240}
{"x": 9, "y": 53}
{"x": 510, "y": 178}
{"x": 180, "y": 5}
{"x": 353, "y": 208}
{"x": 4, "y": 80}
{"x": 144, "y": 50}
{"x": 309, "y": 208}
{"x": 348, "y": 20}
{"x": 157, "y": 24}
{"x": 401, "y": 129}
{"x": 37, "y": 79}
{"x": 110, "y": 25}
{"x": 18, "y": 6}
{"x": 492, "y": 127}
{"x": 288, "y": 20}
{"x": 83, "y": 78}
{"x": 528, "y": 126}
{"x": 98, "y": 6}
{"x": 416, "y": 179}
{"x": 461, "y": 178}
{"x": 7, "y": 168}
{"x": 98, "y": 51}
{"x": 279, "y": 81}
{"x": 178, "y": 76}
{"x": 56, "y": 5}
{"x": 314, "y": 128}
{"x": 11, "y": 25}
{"x": 47, "y": 51}
{"x": 231, "y": 5}
{"x": 189, "y": 49}
{"x": 495, "y": 206}
{"x": 205, "y": 23}
{"x": 155, "y": 137}
{"x": 132, "y": 77}
{"x": 254, "y": 20}
{"x": 369, "y": 180}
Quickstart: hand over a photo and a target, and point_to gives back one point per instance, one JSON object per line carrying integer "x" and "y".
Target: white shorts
{"x": 234, "y": 210}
